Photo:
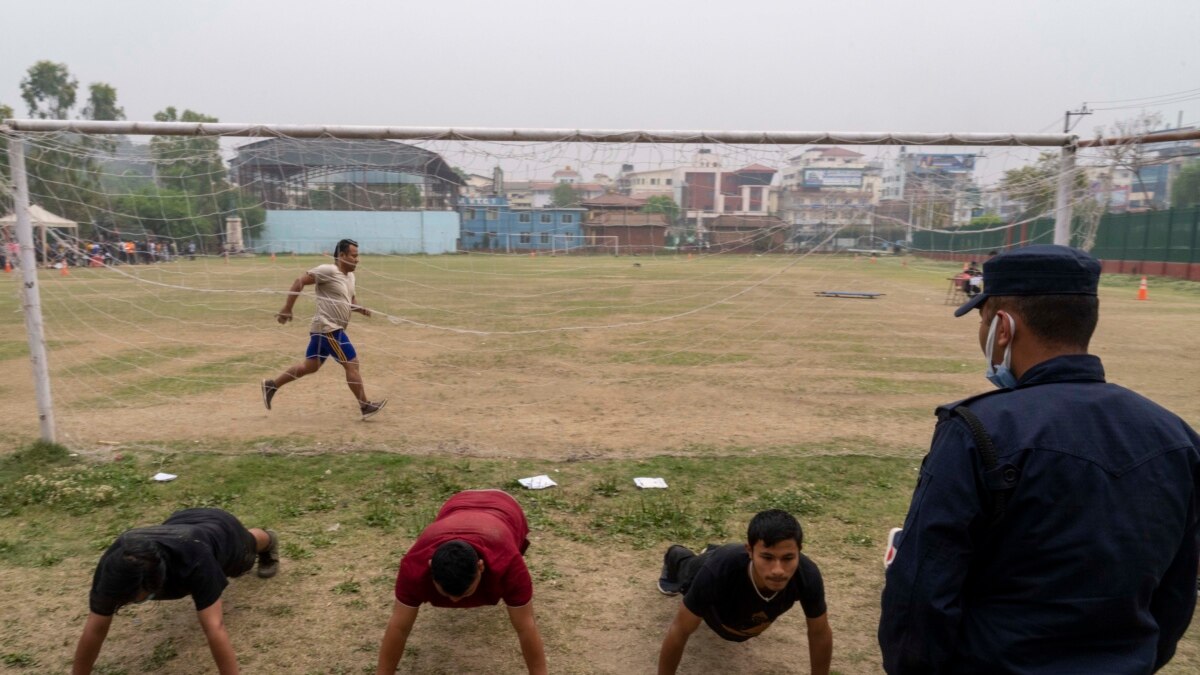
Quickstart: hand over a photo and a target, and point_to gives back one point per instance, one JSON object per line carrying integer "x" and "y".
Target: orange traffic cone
{"x": 533, "y": 254}
{"x": 1143, "y": 293}
{"x": 689, "y": 256}
{"x": 7, "y": 266}
{"x": 63, "y": 269}
{"x": 272, "y": 255}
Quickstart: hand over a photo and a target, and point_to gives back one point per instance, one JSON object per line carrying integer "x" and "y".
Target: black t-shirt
{"x": 199, "y": 547}
{"x": 723, "y": 594}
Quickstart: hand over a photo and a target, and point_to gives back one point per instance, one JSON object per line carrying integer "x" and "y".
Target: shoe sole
{"x": 666, "y": 591}
{"x": 273, "y": 567}
{"x": 266, "y": 399}
{"x": 369, "y": 415}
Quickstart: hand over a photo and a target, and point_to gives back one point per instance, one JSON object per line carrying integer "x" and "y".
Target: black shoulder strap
{"x": 987, "y": 452}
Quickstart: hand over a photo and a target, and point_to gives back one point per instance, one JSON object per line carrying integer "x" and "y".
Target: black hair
{"x": 454, "y": 566}
{"x": 134, "y": 564}
{"x": 1065, "y": 321}
{"x": 773, "y": 526}
{"x": 343, "y": 246}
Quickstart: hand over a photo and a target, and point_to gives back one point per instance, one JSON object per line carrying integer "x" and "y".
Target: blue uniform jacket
{"x": 1092, "y": 568}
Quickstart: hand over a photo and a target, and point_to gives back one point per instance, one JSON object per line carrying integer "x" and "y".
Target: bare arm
{"x": 285, "y": 314}
{"x": 212, "y": 620}
{"x": 354, "y": 307}
{"x": 94, "y": 632}
{"x": 529, "y": 637}
{"x": 682, "y": 627}
{"x": 820, "y": 644}
{"x": 394, "y": 638}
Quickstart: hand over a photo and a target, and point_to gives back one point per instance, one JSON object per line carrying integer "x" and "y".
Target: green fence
{"x": 1162, "y": 236}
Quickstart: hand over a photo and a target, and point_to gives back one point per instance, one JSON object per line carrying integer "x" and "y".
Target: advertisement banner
{"x": 849, "y": 178}
{"x": 948, "y": 163}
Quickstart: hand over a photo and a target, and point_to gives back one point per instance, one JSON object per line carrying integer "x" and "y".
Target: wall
{"x": 377, "y": 232}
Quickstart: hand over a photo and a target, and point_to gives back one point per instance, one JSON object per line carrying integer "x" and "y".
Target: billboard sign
{"x": 947, "y": 163}
{"x": 840, "y": 178}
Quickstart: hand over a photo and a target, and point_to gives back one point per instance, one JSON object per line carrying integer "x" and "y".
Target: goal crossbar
{"x": 548, "y": 135}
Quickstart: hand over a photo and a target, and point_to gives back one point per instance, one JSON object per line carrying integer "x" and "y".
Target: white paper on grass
{"x": 537, "y": 482}
{"x": 164, "y": 477}
{"x": 650, "y": 483}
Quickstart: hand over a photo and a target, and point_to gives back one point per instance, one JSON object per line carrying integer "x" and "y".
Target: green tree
{"x": 102, "y": 103}
{"x": 1033, "y": 185}
{"x": 1185, "y": 191}
{"x": 49, "y": 90}
{"x": 664, "y": 205}
{"x": 191, "y": 167}
{"x": 987, "y": 220}
{"x": 410, "y": 197}
{"x": 565, "y": 196}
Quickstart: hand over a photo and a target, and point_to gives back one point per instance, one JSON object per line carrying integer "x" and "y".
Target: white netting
{"x": 512, "y": 283}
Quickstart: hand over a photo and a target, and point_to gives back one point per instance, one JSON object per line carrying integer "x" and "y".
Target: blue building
{"x": 489, "y": 224}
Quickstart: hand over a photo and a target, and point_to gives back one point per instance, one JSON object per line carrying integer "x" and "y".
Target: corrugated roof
{"x": 289, "y": 156}
{"x": 630, "y": 219}
{"x": 614, "y": 199}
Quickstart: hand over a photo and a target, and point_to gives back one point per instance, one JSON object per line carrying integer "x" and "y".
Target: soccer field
{"x": 726, "y": 375}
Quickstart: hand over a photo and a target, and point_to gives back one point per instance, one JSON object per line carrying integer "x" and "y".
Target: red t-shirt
{"x": 494, "y": 525}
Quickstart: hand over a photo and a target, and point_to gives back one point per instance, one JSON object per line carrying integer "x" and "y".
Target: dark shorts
{"x": 240, "y": 542}
{"x": 324, "y": 345}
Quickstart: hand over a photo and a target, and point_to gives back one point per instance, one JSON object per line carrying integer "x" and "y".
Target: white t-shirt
{"x": 334, "y": 292}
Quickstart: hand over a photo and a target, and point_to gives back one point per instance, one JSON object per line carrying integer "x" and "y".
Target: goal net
{"x": 578, "y": 295}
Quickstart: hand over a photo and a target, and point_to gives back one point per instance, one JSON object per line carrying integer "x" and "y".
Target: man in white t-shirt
{"x": 327, "y": 333}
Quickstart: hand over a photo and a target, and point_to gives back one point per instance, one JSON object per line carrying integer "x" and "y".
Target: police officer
{"x": 1074, "y": 546}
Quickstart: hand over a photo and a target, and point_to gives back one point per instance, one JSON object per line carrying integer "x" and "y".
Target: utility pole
{"x": 1063, "y": 207}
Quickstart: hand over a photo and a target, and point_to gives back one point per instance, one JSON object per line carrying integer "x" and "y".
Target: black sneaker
{"x": 268, "y": 392}
{"x": 268, "y": 560}
{"x": 668, "y": 579}
{"x": 371, "y": 407}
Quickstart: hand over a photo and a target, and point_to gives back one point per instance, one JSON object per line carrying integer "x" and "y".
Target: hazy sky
{"x": 845, "y": 65}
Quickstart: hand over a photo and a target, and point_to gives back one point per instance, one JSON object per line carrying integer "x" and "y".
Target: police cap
{"x": 1037, "y": 270}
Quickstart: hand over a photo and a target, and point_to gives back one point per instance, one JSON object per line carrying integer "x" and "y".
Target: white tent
{"x": 40, "y": 218}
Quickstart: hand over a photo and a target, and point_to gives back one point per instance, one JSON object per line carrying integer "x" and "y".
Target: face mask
{"x": 1000, "y": 375}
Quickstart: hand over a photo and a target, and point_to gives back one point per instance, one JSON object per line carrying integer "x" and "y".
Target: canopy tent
{"x": 40, "y": 218}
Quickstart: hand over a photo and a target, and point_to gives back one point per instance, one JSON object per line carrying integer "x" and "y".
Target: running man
{"x": 740, "y": 589}
{"x": 470, "y": 556}
{"x": 191, "y": 553}
{"x": 327, "y": 333}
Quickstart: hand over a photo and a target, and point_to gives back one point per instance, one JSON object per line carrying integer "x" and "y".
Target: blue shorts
{"x": 335, "y": 344}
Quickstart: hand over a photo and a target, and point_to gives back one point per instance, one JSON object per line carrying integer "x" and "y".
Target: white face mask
{"x": 1000, "y": 375}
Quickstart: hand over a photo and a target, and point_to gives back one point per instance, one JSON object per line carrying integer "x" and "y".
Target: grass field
{"x": 724, "y": 375}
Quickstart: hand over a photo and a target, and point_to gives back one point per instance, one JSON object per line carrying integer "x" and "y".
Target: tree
{"x": 102, "y": 103}
{"x": 410, "y": 197}
{"x": 1034, "y": 185}
{"x": 987, "y": 220}
{"x": 49, "y": 90}
{"x": 664, "y": 205}
{"x": 191, "y": 167}
{"x": 1185, "y": 191}
{"x": 565, "y": 196}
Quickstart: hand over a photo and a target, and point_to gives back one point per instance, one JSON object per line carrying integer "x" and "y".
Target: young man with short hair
{"x": 470, "y": 556}
{"x": 334, "y": 286}
{"x": 740, "y": 589}
{"x": 190, "y": 554}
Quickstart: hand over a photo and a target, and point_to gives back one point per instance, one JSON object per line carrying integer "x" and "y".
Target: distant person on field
{"x": 470, "y": 556}
{"x": 974, "y": 280}
{"x": 1055, "y": 525}
{"x": 190, "y": 554}
{"x": 740, "y": 589}
{"x": 327, "y": 333}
